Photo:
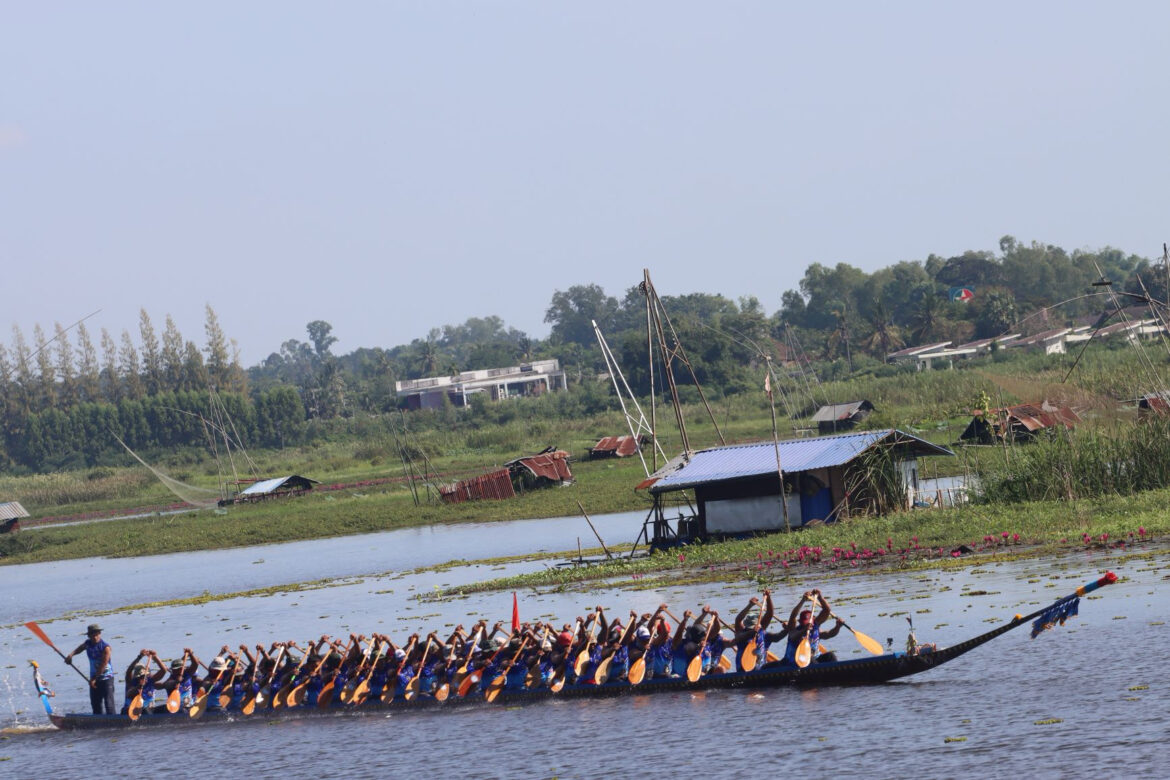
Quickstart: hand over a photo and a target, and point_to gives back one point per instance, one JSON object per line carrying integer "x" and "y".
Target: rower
{"x": 802, "y": 624}
{"x": 751, "y": 631}
{"x": 141, "y": 682}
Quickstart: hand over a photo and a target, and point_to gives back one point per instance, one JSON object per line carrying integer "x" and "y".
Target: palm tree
{"x": 928, "y": 318}
{"x": 885, "y": 336}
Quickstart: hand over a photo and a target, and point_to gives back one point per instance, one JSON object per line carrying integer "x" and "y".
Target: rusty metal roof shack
{"x": 836, "y": 418}
{"x": 550, "y": 467}
{"x": 493, "y": 485}
{"x": 1018, "y": 423}
{"x": 616, "y": 447}
{"x": 737, "y": 488}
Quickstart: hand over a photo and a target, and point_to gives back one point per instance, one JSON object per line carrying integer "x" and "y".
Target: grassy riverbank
{"x": 906, "y": 541}
{"x": 602, "y": 486}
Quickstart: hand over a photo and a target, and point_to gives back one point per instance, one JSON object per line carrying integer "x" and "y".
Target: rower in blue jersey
{"x": 751, "y": 635}
{"x": 802, "y": 624}
{"x": 140, "y": 681}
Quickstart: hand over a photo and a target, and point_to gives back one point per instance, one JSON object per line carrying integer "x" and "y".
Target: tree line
{"x": 60, "y": 396}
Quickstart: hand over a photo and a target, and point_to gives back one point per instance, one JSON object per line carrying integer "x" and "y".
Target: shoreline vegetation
{"x": 1111, "y": 462}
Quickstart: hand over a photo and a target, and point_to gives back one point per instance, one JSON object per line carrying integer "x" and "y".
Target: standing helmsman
{"x": 101, "y": 670}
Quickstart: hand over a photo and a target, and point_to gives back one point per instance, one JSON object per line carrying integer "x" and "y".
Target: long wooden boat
{"x": 861, "y": 671}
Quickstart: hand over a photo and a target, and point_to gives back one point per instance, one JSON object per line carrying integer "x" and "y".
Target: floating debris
{"x": 1049, "y": 721}
{"x": 954, "y": 739}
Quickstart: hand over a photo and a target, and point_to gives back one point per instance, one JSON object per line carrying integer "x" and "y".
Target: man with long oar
{"x": 101, "y": 669}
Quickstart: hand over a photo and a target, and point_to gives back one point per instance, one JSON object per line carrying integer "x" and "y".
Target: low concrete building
{"x": 535, "y": 378}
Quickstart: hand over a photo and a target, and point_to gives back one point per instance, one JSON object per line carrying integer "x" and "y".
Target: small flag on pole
{"x": 515, "y": 612}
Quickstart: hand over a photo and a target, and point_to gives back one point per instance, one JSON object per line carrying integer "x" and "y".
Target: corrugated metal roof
{"x": 834, "y": 412}
{"x": 759, "y": 458}
{"x": 269, "y": 485}
{"x": 12, "y": 510}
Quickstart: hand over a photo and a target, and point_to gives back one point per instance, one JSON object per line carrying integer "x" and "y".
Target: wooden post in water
{"x": 587, "y": 520}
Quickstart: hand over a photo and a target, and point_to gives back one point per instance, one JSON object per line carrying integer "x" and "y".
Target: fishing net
{"x": 204, "y": 498}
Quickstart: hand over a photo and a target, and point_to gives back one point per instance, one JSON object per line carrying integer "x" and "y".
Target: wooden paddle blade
{"x": 869, "y": 643}
{"x": 296, "y": 696}
{"x": 747, "y": 660}
{"x": 199, "y": 707}
{"x": 579, "y": 664}
{"x": 468, "y": 683}
{"x": 134, "y": 711}
{"x": 325, "y": 698}
{"x": 772, "y": 657}
{"x": 637, "y": 671}
{"x": 225, "y": 699}
{"x": 695, "y": 668}
{"x": 281, "y": 697}
{"x": 358, "y": 694}
{"x": 411, "y": 689}
{"x": 803, "y": 653}
{"x": 174, "y": 701}
{"x": 388, "y": 692}
{"x": 442, "y": 692}
{"x": 532, "y": 679}
{"x": 557, "y": 682}
{"x": 495, "y": 686}
{"x": 601, "y": 674}
{"x": 249, "y": 705}
{"x": 724, "y": 664}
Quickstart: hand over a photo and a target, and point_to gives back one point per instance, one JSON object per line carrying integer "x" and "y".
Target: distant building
{"x": 278, "y": 487}
{"x": 1018, "y": 423}
{"x": 616, "y": 447}
{"x": 544, "y": 469}
{"x": 11, "y": 513}
{"x": 536, "y": 378}
{"x": 737, "y": 488}
{"x": 837, "y": 418}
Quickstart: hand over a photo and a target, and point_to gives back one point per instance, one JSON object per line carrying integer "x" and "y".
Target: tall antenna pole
{"x": 776, "y": 441}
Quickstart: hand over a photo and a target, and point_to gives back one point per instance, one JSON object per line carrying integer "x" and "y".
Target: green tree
{"x": 88, "y": 372}
{"x": 321, "y": 337}
{"x": 571, "y": 313}
{"x": 152, "y": 358}
{"x": 218, "y": 361}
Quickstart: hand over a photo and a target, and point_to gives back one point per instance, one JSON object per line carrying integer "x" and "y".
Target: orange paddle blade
{"x": 637, "y": 671}
{"x": 747, "y": 661}
{"x": 174, "y": 701}
{"x": 803, "y": 653}
{"x": 695, "y": 668}
{"x": 134, "y": 711}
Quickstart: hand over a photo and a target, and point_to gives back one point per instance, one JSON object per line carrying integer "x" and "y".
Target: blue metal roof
{"x": 744, "y": 461}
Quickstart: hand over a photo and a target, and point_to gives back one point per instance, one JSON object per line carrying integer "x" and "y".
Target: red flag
{"x": 515, "y": 612}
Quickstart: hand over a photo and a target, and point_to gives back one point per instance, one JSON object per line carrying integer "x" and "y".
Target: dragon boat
{"x": 861, "y": 671}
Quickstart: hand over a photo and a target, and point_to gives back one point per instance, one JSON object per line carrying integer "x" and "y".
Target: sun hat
{"x": 218, "y": 664}
{"x": 137, "y": 670}
{"x": 93, "y": 628}
{"x": 177, "y": 663}
{"x": 643, "y": 632}
{"x": 399, "y": 654}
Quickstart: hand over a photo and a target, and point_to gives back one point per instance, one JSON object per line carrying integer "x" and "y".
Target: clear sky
{"x": 390, "y": 167}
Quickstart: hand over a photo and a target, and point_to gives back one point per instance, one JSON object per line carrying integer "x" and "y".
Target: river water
{"x": 1083, "y": 700}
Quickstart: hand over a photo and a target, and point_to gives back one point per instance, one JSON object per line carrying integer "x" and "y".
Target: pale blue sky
{"x": 392, "y": 167}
